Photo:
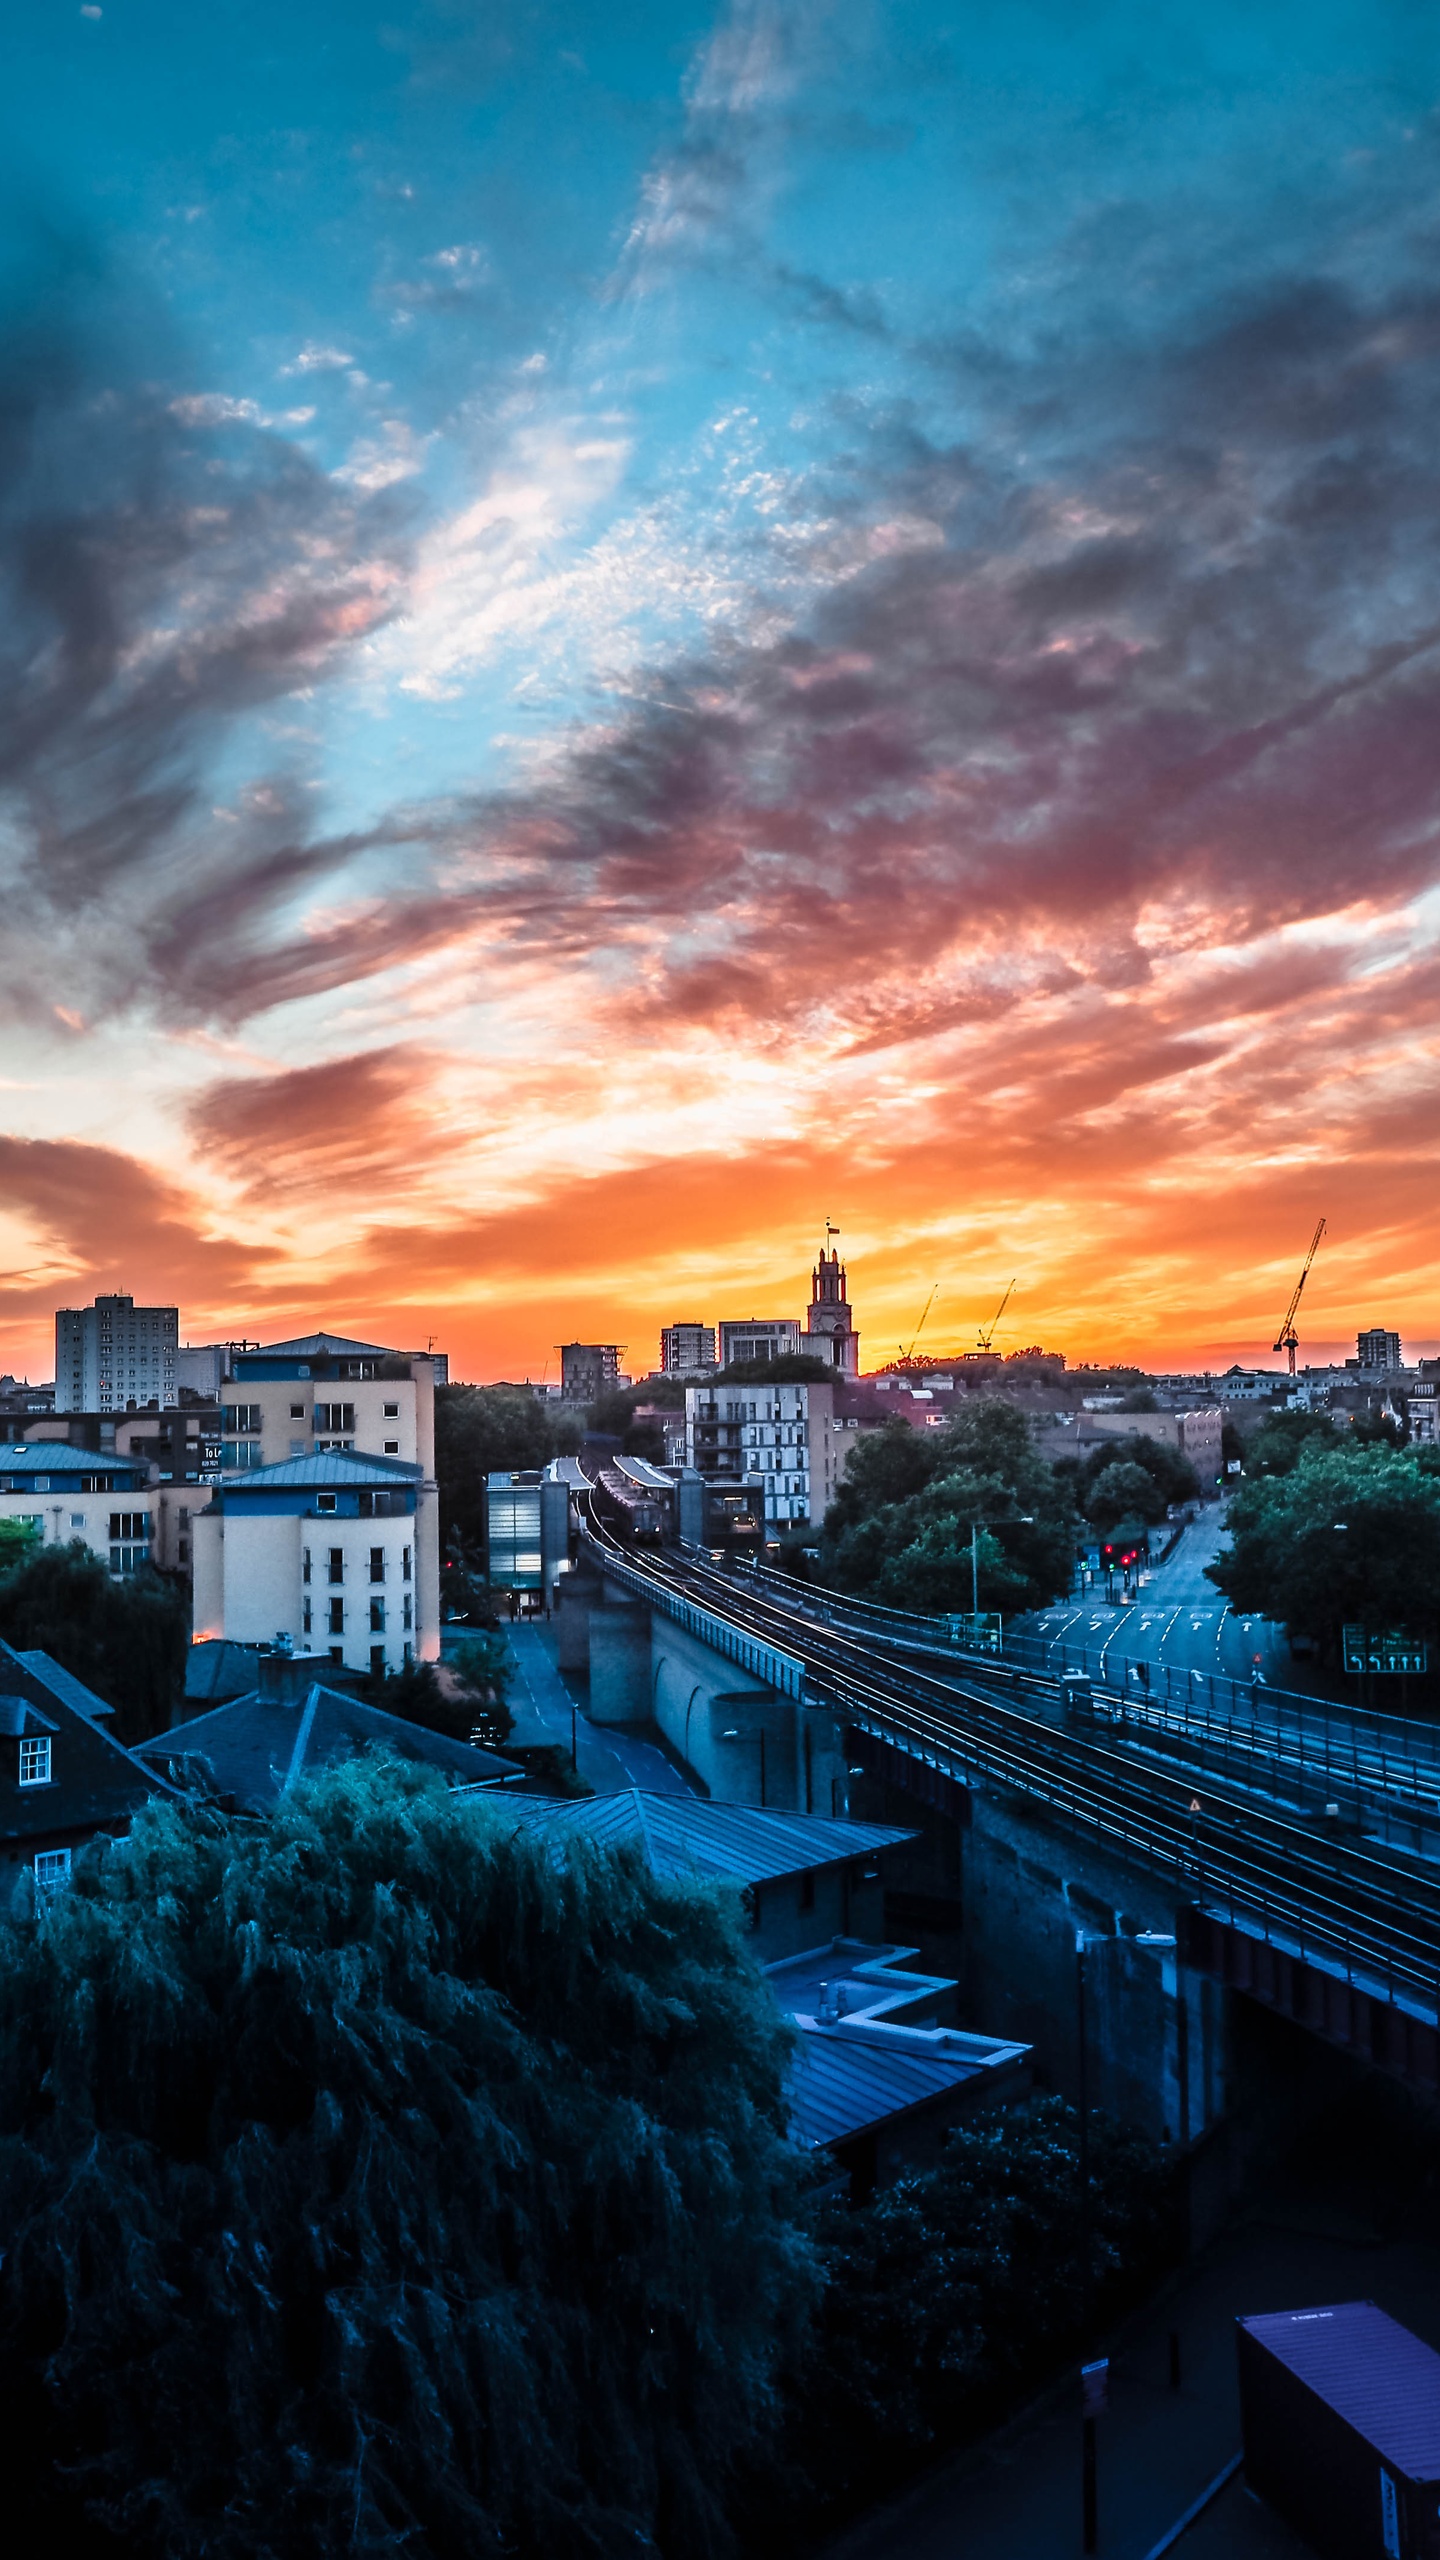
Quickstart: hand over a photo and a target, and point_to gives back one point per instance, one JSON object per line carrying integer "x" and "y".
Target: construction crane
{"x": 907, "y": 1359}
{"x": 986, "y": 1334}
{"x": 1285, "y": 1341}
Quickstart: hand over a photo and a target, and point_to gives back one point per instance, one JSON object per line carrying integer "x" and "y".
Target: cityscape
{"x": 719, "y": 1344}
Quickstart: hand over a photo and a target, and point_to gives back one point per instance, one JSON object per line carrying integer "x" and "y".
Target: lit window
{"x": 35, "y": 1762}
{"x": 52, "y": 1867}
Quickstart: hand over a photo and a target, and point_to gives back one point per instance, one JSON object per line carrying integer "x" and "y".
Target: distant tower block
{"x": 830, "y": 1333}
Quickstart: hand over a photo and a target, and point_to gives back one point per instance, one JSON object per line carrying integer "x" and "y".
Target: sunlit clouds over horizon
{"x": 616, "y": 642}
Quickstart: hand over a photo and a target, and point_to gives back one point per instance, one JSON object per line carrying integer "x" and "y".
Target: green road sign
{"x": 977, "y": 1635}
{"x": 1391, "y": 1652}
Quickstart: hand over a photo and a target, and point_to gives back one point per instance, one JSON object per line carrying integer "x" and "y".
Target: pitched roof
{"x": 58, "y": 1458}
{"x": 257, "y": 1747}
{"x": 694, "y": 1836}
{"x": 218, "y": 1668}
{"x": 64, "y": 1685}
{"x": 339, "y": 1467}
{"x": 843, "y": 2082}
{"x": 96, "y": 1784}
{"x": 319, "y": 1346}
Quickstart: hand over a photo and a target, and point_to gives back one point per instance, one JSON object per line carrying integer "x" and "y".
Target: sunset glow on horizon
{"x": 621, "y": 640}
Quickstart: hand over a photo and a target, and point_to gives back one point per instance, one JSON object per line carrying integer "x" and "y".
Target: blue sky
{"x": 712, "y": 602}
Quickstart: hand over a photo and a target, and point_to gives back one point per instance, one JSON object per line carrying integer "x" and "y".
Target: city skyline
{"x": 618, "y": 637}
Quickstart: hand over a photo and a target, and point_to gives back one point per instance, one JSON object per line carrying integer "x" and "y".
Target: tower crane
{"x": 1285, "y": 1340}
{"x": 986, "y": 1334}
{"x": 907, "y": 1357}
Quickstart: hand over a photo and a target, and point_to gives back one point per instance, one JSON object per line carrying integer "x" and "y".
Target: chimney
{"x": 286, "y": 1678}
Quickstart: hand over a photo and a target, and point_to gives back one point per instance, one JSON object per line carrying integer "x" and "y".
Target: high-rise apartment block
{"x": 589, "y": 1370}
{"x": 684, "y": 1348}
{"x": 830, "y": 1333}
{"x": 784, "y": 1435}
{"x": 114, "y": 1357}
{"x": 1378, "y": 1349}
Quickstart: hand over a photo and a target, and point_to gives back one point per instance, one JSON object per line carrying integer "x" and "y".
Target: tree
{"x": 127, "y": 1640}
{"x": 954, "y": 2292}
{"x": 1347, "y": 1535}
{"x": 1171, "y": 1475}
{"x": 376, "y": 2177}
{"x": 480, "y": 1431}
{"x": 1281, "y": 1440}
{"x": 1123, "y": 1491}
{"x": 899, "y": 1529}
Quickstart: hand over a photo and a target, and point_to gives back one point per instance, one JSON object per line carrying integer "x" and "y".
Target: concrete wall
{"x": 619, "y": 1660}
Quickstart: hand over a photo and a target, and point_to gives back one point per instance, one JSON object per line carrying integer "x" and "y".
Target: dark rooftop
{"x": 692, "y": 1836}
{"x": 256, "y": 1747}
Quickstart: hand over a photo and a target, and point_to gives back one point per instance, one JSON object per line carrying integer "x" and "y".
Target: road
{"x": 1016, "y": 2497}
{"x": 1178, "y": 1618}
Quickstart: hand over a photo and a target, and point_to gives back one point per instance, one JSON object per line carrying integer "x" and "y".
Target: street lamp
{"x": 1001, "y": 1520}
{"x": 733, "y": 1733}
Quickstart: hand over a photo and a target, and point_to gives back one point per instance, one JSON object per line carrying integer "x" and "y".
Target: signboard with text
{"x": 977, "y": 1634}
{"x": 1386, "y": 1653}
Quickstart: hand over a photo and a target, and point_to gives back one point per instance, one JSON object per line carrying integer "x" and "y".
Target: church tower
{"x": 829, "y": 1328}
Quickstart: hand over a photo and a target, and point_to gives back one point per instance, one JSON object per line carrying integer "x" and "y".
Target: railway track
{"x": 1346, "y": 1905}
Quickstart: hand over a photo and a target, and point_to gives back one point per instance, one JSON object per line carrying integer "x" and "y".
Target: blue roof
{"x": 63, "y": 1684}
{"x": 684, "y": 1835}
{"x": 336, "y": 1467}
{"x": 844, "y": 2080}
{"x": 257, "y": 1747}
{"x": 58, "y": 1458}
{"x": 1381, "y": 2379}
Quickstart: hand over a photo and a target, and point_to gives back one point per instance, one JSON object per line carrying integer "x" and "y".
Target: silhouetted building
{"x": 113, "y": 1356}
{"x": 684, "y": 1348}
{"x": 1377, "y": 1349}
{"x": 589, "y": 1370}
{"x": 830, "y": 1333}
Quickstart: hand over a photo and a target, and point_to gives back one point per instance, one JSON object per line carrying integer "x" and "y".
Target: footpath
{"x": 1017, "y": 2495}
{"x": 610, "y": 1758}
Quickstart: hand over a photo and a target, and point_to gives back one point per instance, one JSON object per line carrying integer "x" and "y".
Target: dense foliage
{"x": 480, "y": 1430}
{"x": 1346, "y": 1535}
{"x": 955, "y": 2292}
{"x": 469, "y": 1699}
{"x": 898, "y": 1530}
{"x": 372, "y": 2179}
{"x": 1129, "y": 1477}
{"x": 127, "y": 1640}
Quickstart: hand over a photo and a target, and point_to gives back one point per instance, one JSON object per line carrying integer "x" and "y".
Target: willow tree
{"x": 374, "y": 2180}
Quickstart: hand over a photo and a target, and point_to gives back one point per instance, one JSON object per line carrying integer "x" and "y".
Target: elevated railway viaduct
{"x": 1243, "y": 1945}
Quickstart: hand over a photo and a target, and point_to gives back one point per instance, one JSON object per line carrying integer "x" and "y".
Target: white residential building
{"x": 328, "y": 1551}
{"x": 115, "y": 1356}
{"x": 780, "y": 1434}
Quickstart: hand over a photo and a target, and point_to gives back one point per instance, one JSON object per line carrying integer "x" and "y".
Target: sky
{"x": 625, "y": 631}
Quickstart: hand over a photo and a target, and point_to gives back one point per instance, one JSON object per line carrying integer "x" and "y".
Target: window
{"x": 337, "y": 1564}
{"x": 337, "y": 1617}
{"x": 297, "y": 1413}
{"x": 305, "y": 1617}
{"x": 407, "y": 1611}
{"x": 377, "y": 1617}
{"x": 334, "y": 1417}
{"x": 35, "y": 1761}
{"x": 324, "y": 1501}
{"x": 377, "y": 1660}
{"x": 337, "y": 1653}
{"x": 405, "y": 1565}
{"x": 239, "y": 1453}
{"x": 392, "y": 1448}
{"x": 297, "y": 1449}
{"x": 77, "y": 1519}
{"x": 391, "y": 1412}
{"x": 242, "y": 1417}
{"x": 304, "y": 1564}
{"x": 129, "y": 1524}
{"x": 128, "y": 1560}
{"x": 52, "y": 1867}
{"x": 377, "y": 1564}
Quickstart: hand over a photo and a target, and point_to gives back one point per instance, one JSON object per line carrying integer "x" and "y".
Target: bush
{"x": 374, "y": 2179}
{"x": 953, "y": 2294}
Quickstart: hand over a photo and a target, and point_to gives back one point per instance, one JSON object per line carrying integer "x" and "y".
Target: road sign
{"x": 1385, "y": 1653}
{"x": 1095, "y": 2388}
{"x": 977, "y": 1634}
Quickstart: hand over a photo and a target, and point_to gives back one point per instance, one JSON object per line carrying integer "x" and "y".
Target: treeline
{"x": 900, "y": 1528}
{"x": 374, "y": 2177}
